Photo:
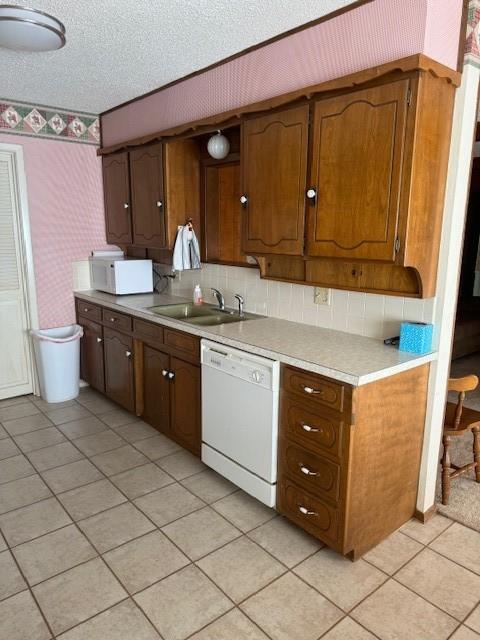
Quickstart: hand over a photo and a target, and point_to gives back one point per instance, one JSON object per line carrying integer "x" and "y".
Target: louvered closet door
{"x": 15, "y": 356}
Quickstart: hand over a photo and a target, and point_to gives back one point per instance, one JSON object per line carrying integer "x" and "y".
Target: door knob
{"x": 312, "y": 195}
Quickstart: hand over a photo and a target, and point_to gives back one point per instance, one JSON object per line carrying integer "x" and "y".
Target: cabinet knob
{"x": 312, "y": 195}
{"x": 164, "y": 373}
{"x": 243, "y": 200}
{"x": 159, "y": 204}
{"x": 112, "y": 319}
{"x": 85, "y": 309}
{"x": 128, "y": 354}
{"x": 125, "y": 205}
{"x": 306, "y": 471}
{"x": 99, "y": 340}
{"x": 171, "y": 375}
{"x": 307, "y": 512}
{"x": 308, "y": 428}
{"x": 312, "y": 391}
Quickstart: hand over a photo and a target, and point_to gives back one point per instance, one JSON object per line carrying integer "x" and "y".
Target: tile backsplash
{"x": 366, "y": 314}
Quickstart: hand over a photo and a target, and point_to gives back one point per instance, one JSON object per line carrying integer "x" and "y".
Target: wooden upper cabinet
{"x": 356, "y": 171}
{"x": 148, "y": 203}
{"x": 117, "y": 198}
{"x": 274, "y": 166}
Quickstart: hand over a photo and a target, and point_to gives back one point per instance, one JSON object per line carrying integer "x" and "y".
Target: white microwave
{"x": 120, "y": 276}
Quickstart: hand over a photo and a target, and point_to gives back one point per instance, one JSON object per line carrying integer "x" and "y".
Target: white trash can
{"x": 57, "y": 354}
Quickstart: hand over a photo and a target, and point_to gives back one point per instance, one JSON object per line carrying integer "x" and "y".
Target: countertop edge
{"x": 313, "y": 367}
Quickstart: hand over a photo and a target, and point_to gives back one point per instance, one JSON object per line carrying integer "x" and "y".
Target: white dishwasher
{"x": 240, "y": 418}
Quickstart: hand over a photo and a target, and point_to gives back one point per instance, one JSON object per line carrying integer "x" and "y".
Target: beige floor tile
{"x": 464, "y": 633}
{"x": 65, "y": 414}
{"x": 18, "y": 411}
{"x": 20, "y": 619}
{"x": 82, "y": 427}
{"x": 157, "y": 447}
{"x": 15, "y": 468}
{"x": 39, "y": 439}
{"x": 45, "y": 406}
{"x": 241, "y": 568}
{"x": 50, "y": 457}
{"x": 33, "y": 521}
{"x": 393, "y": 607}
{"x": 461, "y": 545}
{"x": 11, "y": 581}
{"x": 70, "y": 476}
{"x": 473, "y": 619}
{"x": 183, "y": 603}
{"x": 90, "y": 499}
{"x": 3, "y": 544}
{"x": 243, "y": 511}
{"x": 234, "y": 625}
{"x": 285, "y": 541}
{"x": 97, "y": 405}
{"x": 3, "y": 433}
{"x": 168, "y": 503}
{"x": 394, "y": 552}
{"x": 201, "y": 532}
{"x": 9, "y": 402}
{"x": 339, "y": 579}
{"x": 288, "y": 608}
{"x": 111, "y": 528}
{"x": 141, "y": 480}
{"x": 19, "y": 493}
{"x": 348, "y": 629}
{"x": 181, "y": 465}
{"x": 140, "y": 563}
{"x": 99, "y": 442}
{"x": 119, "y": 460}
{"x": 133, "y": 432}
{"x": 117, "y": 418}
{"x": 54, "y": 552}
{"x": 28, "y": 424}
{"x": 209, "y": 486}
{"x": 78, "y": 594}
{"x": 425, "y": 533}
{"x": 432, "y": 576}
{"x": 8, "y": 449}
{"x": 124, "y": 621}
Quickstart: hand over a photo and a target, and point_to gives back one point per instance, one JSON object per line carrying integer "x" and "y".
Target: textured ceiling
{"x": 119, "y": 49}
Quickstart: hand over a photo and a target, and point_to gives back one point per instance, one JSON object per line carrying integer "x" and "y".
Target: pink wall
{"x": 372, "y": 34}
{"x": 65, "y": 198}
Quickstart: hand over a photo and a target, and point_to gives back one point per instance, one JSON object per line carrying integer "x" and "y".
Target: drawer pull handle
{"x": 311, "y": 390}
{"x": 99, "y": 340}
{"x": 306, "y": 470}
{"x": 306, "y": 512}
{"x": 307, "y": 427}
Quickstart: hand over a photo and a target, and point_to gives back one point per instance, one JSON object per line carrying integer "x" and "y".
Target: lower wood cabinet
{"x": 91, "y": 354}
{"x": 185, "y": 404}
{"x": 119, "y": 374}
{"x": 156, "y": 389}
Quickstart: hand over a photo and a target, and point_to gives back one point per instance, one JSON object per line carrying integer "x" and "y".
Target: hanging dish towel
{"x": 186, "y": 253}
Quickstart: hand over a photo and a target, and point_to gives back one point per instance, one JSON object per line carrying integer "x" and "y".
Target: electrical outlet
{"x": 321, "y": 295}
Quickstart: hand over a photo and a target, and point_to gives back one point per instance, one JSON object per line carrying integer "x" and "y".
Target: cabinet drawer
{"x": 318, "y": 475}
{"x": 117, "y": 320}
{"x": 314, "y": 387}
{"x": 310, "y": 513}
{"x": 88, "y": 310}
{"x": 321, "y": 431}
{"x": 183, "y": 342}
{"x": 148, "y": 332}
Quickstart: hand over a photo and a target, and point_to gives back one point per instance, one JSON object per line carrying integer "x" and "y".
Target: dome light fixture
{"x": 24, "y": 29}
{"x": 218, "y": 146}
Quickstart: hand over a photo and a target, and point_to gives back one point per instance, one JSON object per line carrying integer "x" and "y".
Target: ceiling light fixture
{"x": 24, "y": 29}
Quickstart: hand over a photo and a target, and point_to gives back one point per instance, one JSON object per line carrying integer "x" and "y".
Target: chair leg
{"x": 476, "y": 452}
{"x": 446, "y": 465}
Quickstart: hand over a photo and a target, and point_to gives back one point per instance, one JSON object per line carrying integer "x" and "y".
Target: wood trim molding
{"x": 260, "y": 45}
{"x": 234, "y": 116}
{"x": 425, "y": 516}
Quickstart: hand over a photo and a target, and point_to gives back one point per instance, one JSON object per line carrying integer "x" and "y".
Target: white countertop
{"x": 347, "y": 357}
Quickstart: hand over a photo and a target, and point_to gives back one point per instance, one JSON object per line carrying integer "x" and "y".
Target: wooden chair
{"x": 459, "y": 420}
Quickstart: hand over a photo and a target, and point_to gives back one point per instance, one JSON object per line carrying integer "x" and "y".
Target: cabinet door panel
{"x": 117, "y": 198}
{"x": 185, "y": 404}
{"x": 274, "y": 161}
{"x": 357, "y": 153}
{"x": 146, "y": 170}
{"x": 156, "y": 389}
{"x": 91, "y": 354}
{"x": 119, "y": 381}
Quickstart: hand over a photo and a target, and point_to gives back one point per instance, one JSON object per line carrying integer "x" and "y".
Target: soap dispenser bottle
{"x": 197, "y": 295}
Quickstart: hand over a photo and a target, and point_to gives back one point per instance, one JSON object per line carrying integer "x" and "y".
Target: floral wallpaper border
{"x": 47, "y": 122}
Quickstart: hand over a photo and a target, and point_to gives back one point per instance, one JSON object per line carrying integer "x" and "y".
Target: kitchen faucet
{"x": 220, "y": 299}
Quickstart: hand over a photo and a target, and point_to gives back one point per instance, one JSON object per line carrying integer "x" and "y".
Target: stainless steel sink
{"x": 205, "y": 315}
